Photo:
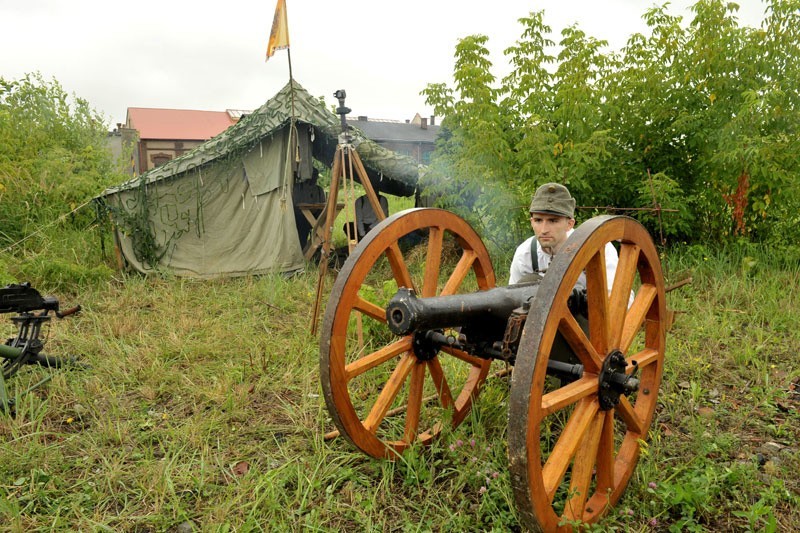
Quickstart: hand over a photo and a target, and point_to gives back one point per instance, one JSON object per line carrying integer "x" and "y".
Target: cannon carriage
{"x": 409, "y": 336}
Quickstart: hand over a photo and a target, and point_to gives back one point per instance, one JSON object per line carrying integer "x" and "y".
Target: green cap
{"x": 553, "y": 199}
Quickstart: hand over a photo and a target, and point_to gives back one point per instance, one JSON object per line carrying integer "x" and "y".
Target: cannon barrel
{"x": 406, "y": 313}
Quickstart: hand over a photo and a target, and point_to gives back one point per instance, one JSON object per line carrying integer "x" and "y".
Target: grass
{"x": 201, "y": 410}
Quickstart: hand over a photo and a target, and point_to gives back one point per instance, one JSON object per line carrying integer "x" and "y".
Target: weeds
{"x": 202, "y": 409}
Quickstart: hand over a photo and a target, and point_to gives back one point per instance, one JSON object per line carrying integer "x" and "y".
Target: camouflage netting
{"x": 225, "y": 208}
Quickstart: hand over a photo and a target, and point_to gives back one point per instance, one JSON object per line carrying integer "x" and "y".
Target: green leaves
{"x": 53, "y": 156}
{"x": 698, "y": 104}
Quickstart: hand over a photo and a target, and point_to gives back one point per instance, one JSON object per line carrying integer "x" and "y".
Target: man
{"x": 552, "y": 213}
{"x": 553, "y": 219}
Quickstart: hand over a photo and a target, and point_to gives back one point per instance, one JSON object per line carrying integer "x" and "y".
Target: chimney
{"x": 433, "y": 120}
{"x": 424, "y": 124}
{"x": 362, "y": 118}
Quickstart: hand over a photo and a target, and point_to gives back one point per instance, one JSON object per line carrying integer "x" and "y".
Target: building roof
{"x": 178, "y": 124}
{"x": 395, "y": 131}
{"x": 388, "y": 171}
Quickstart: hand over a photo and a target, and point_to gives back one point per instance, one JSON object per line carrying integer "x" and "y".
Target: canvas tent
{"x": 225, "y": 208}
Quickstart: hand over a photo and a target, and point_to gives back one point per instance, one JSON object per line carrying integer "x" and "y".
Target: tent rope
{"x": 54, "y": 222}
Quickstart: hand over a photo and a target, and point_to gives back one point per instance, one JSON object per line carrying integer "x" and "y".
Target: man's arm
{"x": 521, "y": 264}
{"x": 612, "y": 260}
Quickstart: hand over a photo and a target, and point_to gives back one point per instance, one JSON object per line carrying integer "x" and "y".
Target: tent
{"x": 225, "y": 208}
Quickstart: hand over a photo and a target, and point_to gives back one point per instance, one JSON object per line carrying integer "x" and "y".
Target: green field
{"x": 202, "y": 410}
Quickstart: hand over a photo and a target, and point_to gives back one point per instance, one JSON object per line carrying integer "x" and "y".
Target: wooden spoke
{"x": 582, "y": 469}
{"x": 414, "y": 402}
{"x": 462, "y": 269}
{"x": 568, "y": 394}
{"x": 464, "y": 356}
{"x": 440, "y": 383}
{"x": 376, "y": 358}
{"x": 625, "y": 411}
{"x": 577, "y": 470}
{"x": 636, "y": 315}
{"x": 432, "y": 267}
{"x": 566, "y": 447}
{"x": 597, "y": 295}
{"x": 579, "y": 342}
{"x": 605, "y": 455}
{"x": 389, "y": 392}
{"x": 370, "y": 309}
{"x": 648, "y": 356}
{"x": 399, "y": 268}
{"x": 360, "y": 391}
{"x": 620, "y": 292}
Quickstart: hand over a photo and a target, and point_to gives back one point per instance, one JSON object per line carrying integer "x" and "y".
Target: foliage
{"x": 699, "y": 120}
{"x": 53, "y": 161}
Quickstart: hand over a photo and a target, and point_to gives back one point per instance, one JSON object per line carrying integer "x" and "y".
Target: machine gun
{"x": 399, "y": 364}
{"x": 33, "y": 310}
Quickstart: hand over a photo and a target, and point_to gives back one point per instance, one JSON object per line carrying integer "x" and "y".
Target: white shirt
{"x": 521, "y": 264}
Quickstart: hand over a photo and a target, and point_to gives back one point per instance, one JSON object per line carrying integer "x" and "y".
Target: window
{"x": 159, "y": 159}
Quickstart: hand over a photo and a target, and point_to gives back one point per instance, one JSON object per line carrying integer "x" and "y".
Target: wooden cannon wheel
{"x": 573, "y": 446}
{"x": 366, "y": 371}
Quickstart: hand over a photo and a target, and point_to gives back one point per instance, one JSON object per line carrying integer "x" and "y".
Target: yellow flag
{"x": 279, "y": 36}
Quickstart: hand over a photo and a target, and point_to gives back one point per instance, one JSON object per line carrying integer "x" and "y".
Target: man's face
{"x": 551, "y": 230}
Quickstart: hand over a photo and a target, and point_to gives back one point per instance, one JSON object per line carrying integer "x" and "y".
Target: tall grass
{"x": 201, "y": 409}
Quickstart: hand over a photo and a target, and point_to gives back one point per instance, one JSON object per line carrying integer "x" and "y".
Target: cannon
{"x": 410, "y": 333}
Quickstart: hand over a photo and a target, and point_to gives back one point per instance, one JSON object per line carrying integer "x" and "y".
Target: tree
{"x": 699, "y": 119}
{"x": 53, "y": 156}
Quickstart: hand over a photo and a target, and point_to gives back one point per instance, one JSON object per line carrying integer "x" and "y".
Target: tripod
{"x": 346, "y": 165}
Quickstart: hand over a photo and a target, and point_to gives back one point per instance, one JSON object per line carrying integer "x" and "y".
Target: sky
{"x": 209, "y": 56}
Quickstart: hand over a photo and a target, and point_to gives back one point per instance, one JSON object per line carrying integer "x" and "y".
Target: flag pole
{"x": 279, "y": 40}
{"x": 291, "y": 79}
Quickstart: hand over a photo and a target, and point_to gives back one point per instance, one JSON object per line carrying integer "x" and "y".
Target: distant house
{"x": 156, "y": 136}
{"x": 160, "y": 135}
{"x": 415, "y": 138}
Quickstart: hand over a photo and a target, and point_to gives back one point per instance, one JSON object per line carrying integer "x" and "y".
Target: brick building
{"x": 160, "y": 135}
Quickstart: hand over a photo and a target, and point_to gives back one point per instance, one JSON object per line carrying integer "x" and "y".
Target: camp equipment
{"x": 33, "y": 310}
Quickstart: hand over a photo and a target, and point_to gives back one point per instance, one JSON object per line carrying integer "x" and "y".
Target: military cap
{"x": 553, "y": 199}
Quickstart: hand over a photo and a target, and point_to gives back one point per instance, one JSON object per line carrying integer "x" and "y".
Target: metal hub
{"x": 614, "y": 382}
{"x": 425, "y": 347}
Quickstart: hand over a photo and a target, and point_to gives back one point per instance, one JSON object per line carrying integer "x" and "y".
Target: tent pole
{"x": 291, "y": 80}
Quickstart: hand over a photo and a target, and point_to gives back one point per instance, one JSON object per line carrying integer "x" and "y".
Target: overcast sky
{"x": 210, "y": 55}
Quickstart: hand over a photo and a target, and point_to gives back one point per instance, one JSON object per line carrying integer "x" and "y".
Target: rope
{"x": 59, "y": 219}
{"x": 291, "y": 140}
